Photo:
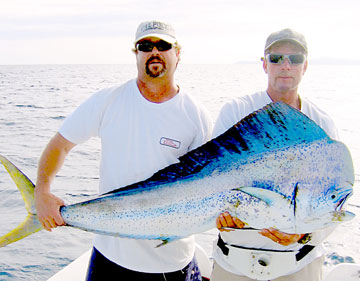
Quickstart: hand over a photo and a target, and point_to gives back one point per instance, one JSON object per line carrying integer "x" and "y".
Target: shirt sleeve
{"x": 205, "y": 126}
{"x": 231, "y": 113}
{"x": 85, "y": 121}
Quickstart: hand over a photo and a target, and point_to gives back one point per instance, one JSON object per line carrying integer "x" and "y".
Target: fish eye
{"x": 333, "y": 195}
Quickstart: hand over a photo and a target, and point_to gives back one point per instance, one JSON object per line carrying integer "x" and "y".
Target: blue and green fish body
{"x": 274, "y": 168}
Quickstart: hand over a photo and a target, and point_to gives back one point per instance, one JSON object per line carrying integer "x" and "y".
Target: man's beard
{"x": 155, "y": 71}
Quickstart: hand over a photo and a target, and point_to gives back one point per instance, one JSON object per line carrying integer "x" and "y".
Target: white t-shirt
{"x": 138, "y": 138}
{"x": 231, "y": 113}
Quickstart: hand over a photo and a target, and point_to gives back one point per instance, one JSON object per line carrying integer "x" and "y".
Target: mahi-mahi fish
{"x": 274, "y": 168}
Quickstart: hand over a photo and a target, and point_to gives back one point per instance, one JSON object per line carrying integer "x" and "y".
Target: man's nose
{"x": 286, "y": 64}
{"x": 155, "y": 50}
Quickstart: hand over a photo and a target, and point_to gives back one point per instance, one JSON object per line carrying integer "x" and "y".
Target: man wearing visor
{"x": 144, "y": 125}
{"x": 268, "y": 254}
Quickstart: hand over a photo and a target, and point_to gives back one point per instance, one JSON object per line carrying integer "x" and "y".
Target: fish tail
{"x": 31, "y": 224}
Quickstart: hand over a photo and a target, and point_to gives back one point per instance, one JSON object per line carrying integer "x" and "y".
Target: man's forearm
{"x": 51, "y": 161}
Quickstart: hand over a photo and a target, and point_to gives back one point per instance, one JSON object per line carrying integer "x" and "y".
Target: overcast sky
{"x": 222, "y": 31}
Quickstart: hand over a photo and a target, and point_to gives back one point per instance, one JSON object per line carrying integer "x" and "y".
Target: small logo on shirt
{"x": 169, "y": 142}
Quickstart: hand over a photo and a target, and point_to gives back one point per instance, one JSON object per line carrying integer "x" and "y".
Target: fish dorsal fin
{"x": 275, "y": 126}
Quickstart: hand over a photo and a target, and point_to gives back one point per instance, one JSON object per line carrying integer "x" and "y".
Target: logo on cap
{"x": 157, "y": 29}
{"x": 154, "y": 25}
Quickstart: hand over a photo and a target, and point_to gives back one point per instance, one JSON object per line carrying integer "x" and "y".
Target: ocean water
{"x": 35, "y": 99}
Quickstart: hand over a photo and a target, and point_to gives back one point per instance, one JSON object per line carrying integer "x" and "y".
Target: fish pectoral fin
{"x": 30, "y": 225}
{"x": 268, "y": 196}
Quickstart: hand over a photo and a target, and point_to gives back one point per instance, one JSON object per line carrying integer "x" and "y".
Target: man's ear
{"x": 265, "y": 64}
{"x": 305, "y": 66}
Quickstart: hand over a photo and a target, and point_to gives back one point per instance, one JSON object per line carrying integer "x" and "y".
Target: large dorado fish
{"x": 274, "y": 168}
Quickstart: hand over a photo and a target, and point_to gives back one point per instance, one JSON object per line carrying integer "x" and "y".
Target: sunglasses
{"x": 148, "y": 46}
{"x": 279, "y": 59}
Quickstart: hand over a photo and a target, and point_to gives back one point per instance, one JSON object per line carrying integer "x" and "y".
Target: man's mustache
{"x": 157, "y": 58}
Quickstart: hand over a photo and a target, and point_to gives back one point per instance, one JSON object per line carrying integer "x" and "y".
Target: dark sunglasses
{"x": 148, "y": 46}
{"x": 279, "y": 59}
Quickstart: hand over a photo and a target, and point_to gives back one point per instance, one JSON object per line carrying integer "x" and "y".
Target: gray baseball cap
{"x": 161, "y": 30}
{"x": 286, "y": 35}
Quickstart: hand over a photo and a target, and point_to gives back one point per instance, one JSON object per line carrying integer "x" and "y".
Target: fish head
{"x": 321, "y": 201}
{"x": 313, "y": 213}
{"x": 338, "y": 184}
